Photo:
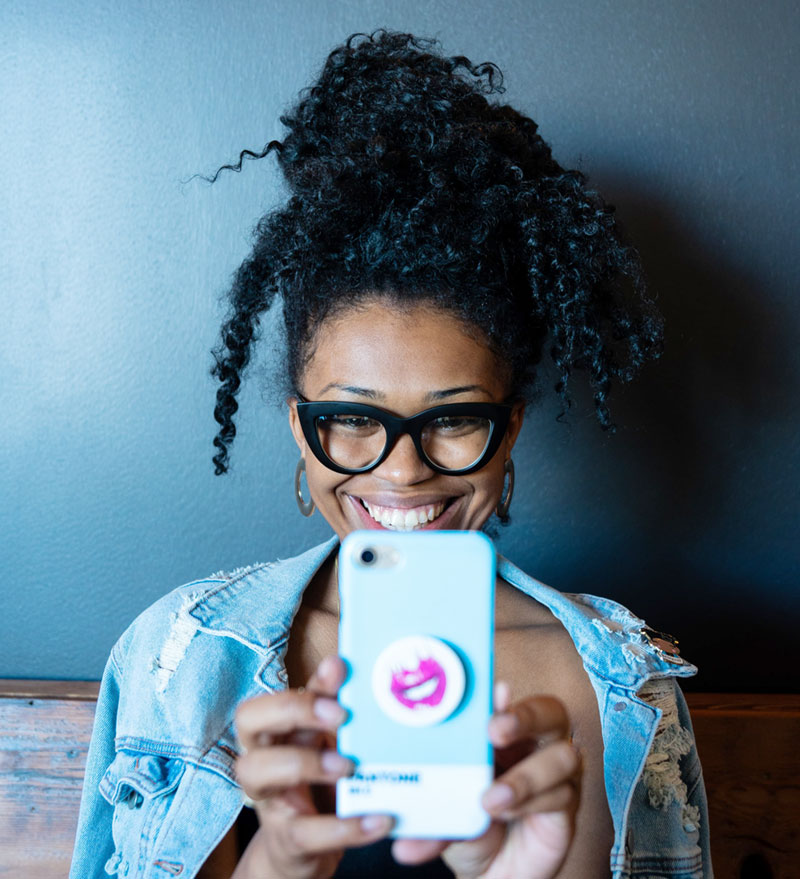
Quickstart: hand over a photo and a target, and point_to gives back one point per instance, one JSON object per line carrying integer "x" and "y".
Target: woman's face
{"x": 403, "y": 361}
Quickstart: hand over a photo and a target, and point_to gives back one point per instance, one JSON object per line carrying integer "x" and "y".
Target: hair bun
{"x": 389, "y": 104}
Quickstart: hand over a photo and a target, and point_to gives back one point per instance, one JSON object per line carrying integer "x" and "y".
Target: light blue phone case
{"x": 416, "y": 632}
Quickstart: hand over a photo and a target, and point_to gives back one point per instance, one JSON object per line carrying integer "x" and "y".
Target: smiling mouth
{"x": 395, "y": 519}
{"x": 422, "y": 686}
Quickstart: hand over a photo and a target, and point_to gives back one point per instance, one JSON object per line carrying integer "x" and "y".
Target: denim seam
{"x": 227, "y": 582}
{"x": 636, "y": 776}
{"x": 169, "y": 818}
{"x": 202, "y": 758}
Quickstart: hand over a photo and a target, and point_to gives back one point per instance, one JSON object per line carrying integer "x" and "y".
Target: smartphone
{"x": 416, "y": 633}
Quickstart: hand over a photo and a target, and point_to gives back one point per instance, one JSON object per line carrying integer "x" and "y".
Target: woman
{"x": 430, "y": 250}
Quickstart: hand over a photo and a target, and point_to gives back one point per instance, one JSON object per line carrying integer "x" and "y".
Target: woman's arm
{"x": 589, "y": 856}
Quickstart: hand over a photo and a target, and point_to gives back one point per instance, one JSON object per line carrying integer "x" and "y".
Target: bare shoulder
{"x": 536, "y": 655}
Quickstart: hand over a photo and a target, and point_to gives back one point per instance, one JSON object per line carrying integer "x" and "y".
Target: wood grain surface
{"x": 64, "y": 690}
{"x": 749, "y": 746}
{"x": 43, "y": 745}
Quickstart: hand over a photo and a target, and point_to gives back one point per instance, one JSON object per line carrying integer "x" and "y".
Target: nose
{"x": 403, "y": 466}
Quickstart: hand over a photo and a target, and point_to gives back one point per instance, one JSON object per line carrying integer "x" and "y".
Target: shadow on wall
{"x": 720, "y": 413}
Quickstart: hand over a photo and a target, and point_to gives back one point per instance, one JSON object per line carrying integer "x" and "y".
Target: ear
{"x": 294, "y": 424}
{"x": 514, "y": 427}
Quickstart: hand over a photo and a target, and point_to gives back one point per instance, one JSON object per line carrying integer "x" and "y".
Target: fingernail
{"x": 333, "y": 762}
{"x": 506, "y": 726}
{"x": 326, "y": 667}
{"x": 502, "y": 695}
{"x": 328, "y": 710}
{"x": 498, "y": 797}
{"x": 377, "y": 823}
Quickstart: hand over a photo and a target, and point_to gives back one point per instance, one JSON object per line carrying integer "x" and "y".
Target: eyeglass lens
{"x": 449, "y": 442}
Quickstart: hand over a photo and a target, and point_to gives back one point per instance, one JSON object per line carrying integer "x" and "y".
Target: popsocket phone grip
{"x": 418, "y": 680}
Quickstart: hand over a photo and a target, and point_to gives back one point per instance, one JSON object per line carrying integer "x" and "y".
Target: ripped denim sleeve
{"x": 662, "y": 776}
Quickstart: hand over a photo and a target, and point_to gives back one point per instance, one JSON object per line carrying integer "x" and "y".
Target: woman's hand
{"x": 532, "y": 801}
{"x": 288, "y": 742}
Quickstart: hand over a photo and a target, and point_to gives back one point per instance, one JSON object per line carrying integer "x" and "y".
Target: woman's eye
{"x": 458, "y": 424}
{"x": 348, "y": 422}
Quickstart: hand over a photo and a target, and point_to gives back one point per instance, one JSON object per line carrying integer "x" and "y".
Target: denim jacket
{"x": 160, "y": 792}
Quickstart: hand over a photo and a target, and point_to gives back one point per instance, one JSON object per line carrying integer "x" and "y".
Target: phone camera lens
{"x": 367, "y": 556}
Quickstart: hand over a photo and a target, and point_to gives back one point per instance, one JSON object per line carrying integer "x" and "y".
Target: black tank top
{"x": 376, "y": 860}
{"x": 372, "y": 860}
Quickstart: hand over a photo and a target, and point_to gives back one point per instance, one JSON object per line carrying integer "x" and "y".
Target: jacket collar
{"x": 256, "y": 606}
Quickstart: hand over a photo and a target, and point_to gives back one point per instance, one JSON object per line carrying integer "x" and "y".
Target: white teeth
{"x": 411, "y": 519}
{"x": 404, "y": 520}
{"x": 423, "y": 690}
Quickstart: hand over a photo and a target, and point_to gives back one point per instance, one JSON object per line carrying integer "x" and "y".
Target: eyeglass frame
{"x": 498, "y": 415}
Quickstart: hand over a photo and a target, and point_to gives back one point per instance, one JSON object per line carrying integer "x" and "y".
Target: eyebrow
{"x": 351, "y": 389}
{"x": 372, "y": 394}
{"x": 452, "y": 392}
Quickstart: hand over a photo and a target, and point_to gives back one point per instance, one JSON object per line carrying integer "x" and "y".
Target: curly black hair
{"x": 406, "y": 182}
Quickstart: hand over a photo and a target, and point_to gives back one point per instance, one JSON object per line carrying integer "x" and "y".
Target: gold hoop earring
{"x": 508, "y": 491}
{"x": 305, "y": 507}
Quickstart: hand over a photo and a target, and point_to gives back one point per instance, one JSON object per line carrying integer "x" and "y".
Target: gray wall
{"x": 684, "y": 114}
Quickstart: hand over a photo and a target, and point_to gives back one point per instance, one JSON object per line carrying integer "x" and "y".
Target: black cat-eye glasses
{"x": 456, "y": 438}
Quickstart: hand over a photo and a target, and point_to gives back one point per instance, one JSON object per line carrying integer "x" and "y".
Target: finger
{"x": 541, "y": 772}
{"x": 562, "y": 798}
{"x": 502, "y": 696}
{"x": 325, "y": 681}
{"x": 542, "y": 719}
{"x": 264, "y": 771}
{"x": 417, "y": 851}
{"x": 316, "y": 834}
{"x": 555, "y": 829}
{"x": 260, "y": 720}
{"x": 328, "y": 676}
{"x": 285, "y": 806}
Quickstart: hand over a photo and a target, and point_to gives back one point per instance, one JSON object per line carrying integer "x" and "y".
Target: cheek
{"x": 490, "y": 486}
{"x": 322, "y": 482}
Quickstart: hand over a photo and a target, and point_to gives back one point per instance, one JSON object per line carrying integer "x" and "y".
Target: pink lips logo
{"x": 424, "y": 685}
{"x": 418, "y": 680}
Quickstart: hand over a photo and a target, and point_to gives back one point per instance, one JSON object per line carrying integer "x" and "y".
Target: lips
{"x": 423, "y": 686}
